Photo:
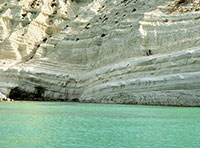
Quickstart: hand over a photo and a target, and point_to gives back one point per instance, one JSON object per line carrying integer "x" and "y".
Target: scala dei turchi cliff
{"x": 103, "y": 51}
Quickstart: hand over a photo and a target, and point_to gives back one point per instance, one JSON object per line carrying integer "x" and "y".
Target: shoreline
{"x": 56, "y": 101}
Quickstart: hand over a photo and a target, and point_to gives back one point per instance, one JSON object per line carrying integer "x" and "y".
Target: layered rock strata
{"x": 122, "y": 51}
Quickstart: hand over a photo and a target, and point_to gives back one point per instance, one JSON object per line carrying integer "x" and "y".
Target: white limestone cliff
{"x": 118, "y": 51}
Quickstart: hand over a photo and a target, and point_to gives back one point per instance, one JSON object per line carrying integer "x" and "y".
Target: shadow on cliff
{"x": 20, "y": 94}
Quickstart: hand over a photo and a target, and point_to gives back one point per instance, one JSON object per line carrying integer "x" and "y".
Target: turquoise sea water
{"x": 75, "y": 125}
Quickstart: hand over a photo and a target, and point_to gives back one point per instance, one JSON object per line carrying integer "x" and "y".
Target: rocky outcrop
{"x": 4, "y": 98}
{"x": 122, "y": 51}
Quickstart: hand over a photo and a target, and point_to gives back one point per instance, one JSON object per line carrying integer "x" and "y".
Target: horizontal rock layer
{"x": 123, "y": 51}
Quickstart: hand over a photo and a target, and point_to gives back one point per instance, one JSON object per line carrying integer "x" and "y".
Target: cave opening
{"x": 18, "y": 93}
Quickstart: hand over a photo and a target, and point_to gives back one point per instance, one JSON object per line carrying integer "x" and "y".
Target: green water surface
{"x": 76, "y": 125}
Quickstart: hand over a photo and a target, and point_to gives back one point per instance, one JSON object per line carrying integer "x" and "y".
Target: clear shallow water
{"x": 75, "y": 125}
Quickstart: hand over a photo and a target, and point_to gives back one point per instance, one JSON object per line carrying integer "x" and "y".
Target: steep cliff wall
{"x": 119, "y": 51}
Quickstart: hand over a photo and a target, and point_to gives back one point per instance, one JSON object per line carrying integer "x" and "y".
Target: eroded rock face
{"x": 120, "y": 51}
{"x": 3, "y": 98}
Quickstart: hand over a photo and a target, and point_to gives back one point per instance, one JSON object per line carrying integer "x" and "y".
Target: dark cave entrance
{"x": 18, "y": 93}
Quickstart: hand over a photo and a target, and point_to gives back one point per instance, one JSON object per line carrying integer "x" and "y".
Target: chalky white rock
{"x": 104, "y": 51}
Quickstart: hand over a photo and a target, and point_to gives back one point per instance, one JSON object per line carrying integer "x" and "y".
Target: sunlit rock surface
{"x": 105, "y": 51}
